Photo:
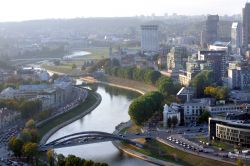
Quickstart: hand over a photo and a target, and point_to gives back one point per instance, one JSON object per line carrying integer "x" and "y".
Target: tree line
{"x": 148, "y": 75}
{"x": 70, "y": 160}
{"x": 27, "y": 108}
{"x": 26, "y": 145}
{"x": 164, "y": 84}
{"x": 206, "y": 86}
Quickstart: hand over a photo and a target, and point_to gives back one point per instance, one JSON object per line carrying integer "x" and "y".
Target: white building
{"x": 170, "y": 113}
{"x": 194, "y": 108}
{"x": 42, "y": 75}
{"x": 150, "y": 38}
{"x": 219, "y": 46}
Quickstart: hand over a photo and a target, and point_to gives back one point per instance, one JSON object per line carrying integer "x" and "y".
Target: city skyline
{"x": 33, "y": 10}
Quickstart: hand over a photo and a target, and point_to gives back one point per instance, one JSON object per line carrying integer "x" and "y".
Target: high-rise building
{"x": 177, "y": 58}
{"x": 210, "y": 34}
{"x": 236, "y": 36}
{"x": 239, "y": 76}
{"x": 150, "y": 38}
{"x": 246, "y": 27}
{"x": 216, "y": 61}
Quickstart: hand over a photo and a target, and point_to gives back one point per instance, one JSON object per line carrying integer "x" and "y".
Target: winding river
{"x": 112, "y": 111}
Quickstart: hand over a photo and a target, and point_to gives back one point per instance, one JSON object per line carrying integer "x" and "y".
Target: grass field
{"x": 65, "y": 68}
{"x": 163, "y": 152}
{"x": 97, "y": 53}
{"x": 90, "y": 101}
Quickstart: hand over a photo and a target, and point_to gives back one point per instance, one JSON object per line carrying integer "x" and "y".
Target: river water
{"x": 112, "y": 111}
{"x": 76, "y": 54}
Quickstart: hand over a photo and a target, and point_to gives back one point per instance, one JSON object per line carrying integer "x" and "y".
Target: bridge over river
{"x": 90, "y": 137}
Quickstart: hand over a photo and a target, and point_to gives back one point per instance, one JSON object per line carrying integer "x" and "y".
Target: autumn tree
{"x": 15, "y": 145}
{"x": 30, "y": 150}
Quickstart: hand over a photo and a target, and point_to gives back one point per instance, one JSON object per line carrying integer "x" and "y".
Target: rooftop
{"x": 33, "y": 87}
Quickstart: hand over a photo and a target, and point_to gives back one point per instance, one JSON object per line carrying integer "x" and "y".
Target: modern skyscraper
{"x": 236, "y": 36}
{"x": 150, "y": 38}
{"x": 210, "y": 34}
{"x": 246, "y": 27}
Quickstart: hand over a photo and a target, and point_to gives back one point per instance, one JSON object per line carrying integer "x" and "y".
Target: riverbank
{"x": 48, "y": 129}
{"x": 141, "y": 156}
{"x": 158, "y": 151}
{"x": 136, "y": 86}
{"x": 124, "y": 148}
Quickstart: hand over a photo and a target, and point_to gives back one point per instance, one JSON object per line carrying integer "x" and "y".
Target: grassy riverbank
{"x": 130, "y": 83}
{"x": 90, "y": 101}
{"x": 163, "y": 152}
{"x": 63, "y": 68}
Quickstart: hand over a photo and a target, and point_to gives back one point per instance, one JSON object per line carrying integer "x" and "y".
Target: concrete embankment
{"x": 53, "y": 130}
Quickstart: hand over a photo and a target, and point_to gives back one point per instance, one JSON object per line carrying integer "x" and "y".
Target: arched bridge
{"x": 89, "y": 137}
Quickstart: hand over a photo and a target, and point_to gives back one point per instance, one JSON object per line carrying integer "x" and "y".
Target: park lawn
{"x": 65, "y": 68}
{"x": 131, "y": 83}
{"x": 163, "y": 152}
{"x": 97, "y": 53}
{"x": 90, "y": 101}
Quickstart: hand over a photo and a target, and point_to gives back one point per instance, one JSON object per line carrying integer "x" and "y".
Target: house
{"x": 169, "y": 113}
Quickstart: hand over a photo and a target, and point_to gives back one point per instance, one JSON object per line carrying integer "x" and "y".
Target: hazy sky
{"x": 18, "y": 10}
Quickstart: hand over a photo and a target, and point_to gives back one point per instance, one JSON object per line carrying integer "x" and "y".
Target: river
{"x": 112, "y": 111}
{"x": 76, "y": 54}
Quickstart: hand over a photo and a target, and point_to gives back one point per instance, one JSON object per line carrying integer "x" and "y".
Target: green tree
{"x": 50, "y": 156}
{"x": 29, "y": 108}
{"x": 74, "y": 66}
{"x": 151, "y": 76}
{"x": 166, "y": 86}
{"x": 88, "y": 163}
{"x": 60, "y": 160}
{"x": 204, "y": 117}
{"x": 202, "y": 80}
{"x": 144, "y": 107}
{"x": 72, "y": 160}
{"x": 25, "y": 136}
{"x": 15, "y": 145}
{"x": 55, "y": 76}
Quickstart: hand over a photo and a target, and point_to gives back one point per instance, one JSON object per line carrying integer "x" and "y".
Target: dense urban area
{"x": 181, "y": 85}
